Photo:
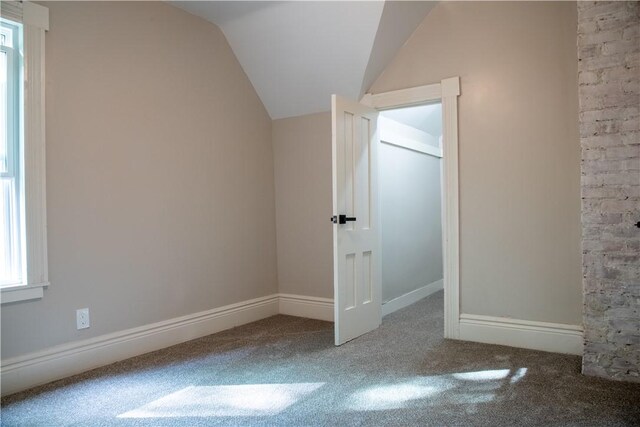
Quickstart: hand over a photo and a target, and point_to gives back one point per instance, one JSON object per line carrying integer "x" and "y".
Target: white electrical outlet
{"x": 82, "y": 318}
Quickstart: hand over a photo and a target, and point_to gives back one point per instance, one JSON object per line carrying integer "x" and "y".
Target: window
{"x": 11, "y": 165}
{"x": 23, "y": 231}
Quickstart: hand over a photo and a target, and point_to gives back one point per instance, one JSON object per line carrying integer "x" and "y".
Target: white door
{"x": 356, "y": 240}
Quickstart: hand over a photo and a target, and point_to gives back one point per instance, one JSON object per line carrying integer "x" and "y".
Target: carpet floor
{"x": 286, "y": 371}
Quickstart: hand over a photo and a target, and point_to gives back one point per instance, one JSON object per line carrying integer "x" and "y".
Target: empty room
{"x": 302, "y": 213}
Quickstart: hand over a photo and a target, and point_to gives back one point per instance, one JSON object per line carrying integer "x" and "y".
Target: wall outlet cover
{"x": 82, "y": 318}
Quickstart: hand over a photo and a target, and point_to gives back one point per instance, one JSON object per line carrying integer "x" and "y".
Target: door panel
{"x": 356, "y": 245}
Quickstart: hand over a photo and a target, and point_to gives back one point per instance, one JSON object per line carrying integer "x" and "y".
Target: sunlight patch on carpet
{"x": 489, "y": 375}
{"x": 520, "y": 373}
{"x": 225, "y": 401}
{"x": 398, "y": 395}
{"x": 390, "y": 396}
{"x": 455, "y": 388}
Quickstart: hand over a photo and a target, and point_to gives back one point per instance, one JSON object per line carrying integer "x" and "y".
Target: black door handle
{"x": 342, "y": 219}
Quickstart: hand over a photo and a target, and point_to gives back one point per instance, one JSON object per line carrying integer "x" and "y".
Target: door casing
{"x": 447, "y": 92}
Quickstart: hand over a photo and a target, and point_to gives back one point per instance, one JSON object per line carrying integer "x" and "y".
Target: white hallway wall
{"x": 410, "y": 209}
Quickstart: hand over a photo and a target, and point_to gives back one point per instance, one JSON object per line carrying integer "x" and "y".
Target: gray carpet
{"x": 285, "y": 371}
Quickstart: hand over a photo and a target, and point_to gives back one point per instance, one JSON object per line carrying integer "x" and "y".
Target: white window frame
{"x": 35, "y": 21}
{"x": 14, "y": 237}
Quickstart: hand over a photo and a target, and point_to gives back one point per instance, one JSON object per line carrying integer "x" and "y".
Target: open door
{"x": 356, "y": 238}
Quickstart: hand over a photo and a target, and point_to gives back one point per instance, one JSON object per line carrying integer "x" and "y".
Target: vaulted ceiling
{"x": 297, "y": 53}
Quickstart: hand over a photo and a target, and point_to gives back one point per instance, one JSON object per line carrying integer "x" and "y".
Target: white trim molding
{"x": 33, "y": 369}
{"x": 22, "y": 372}
{"x": 36, "y": 22}
{"x": 447, "y": 92}
{"x": 22, "y": 292}
{"x": 304, "y": 306}
{"x": 35, "y": 15}
{"x": 411, "y": 297}
{"x": 403, "y": 97}
{"x": 552, "y": 337}
{"x": 451, "y": 208}
{"x": 35, "y": 19}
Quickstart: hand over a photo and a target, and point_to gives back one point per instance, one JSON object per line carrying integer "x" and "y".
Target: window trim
{"x": 35, "y": 21}
{"x": 13, "y": 170}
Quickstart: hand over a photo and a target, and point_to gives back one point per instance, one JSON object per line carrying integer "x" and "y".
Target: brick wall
{"x": 609, "y": 83}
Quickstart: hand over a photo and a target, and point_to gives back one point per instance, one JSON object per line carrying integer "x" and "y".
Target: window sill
{"x": 22, "y": 293}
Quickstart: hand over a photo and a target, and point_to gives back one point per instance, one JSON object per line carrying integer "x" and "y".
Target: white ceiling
{"x": 298, "y": 53}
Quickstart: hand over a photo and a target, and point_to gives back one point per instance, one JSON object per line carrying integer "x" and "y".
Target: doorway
{"x": 410, "y": 192}
{"x": 357, "y": 237}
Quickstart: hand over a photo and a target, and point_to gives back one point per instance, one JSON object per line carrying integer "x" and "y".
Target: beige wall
{"x": 159, "y": 175}
{"x": 302, "y": 160}
{"x": 519, "y": 149}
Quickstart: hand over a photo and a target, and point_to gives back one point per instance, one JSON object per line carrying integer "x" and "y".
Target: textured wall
{"x": 609, "y": 82}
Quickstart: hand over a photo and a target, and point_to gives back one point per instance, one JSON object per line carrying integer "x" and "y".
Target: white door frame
{"x": 447, "y": 91}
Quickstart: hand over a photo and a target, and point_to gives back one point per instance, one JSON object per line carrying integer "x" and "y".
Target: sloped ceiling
{"x": 298, "y": 53}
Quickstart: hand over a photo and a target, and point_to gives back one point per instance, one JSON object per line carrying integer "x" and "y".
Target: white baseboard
{"x": 553, "y": 337}
{"x": 310, "y": 307}
{"x": 23, "y": 372}
{"x": 411, "y": 297}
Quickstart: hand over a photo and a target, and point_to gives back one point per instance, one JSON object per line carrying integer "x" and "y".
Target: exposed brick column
{"x": 609, "y": 93}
